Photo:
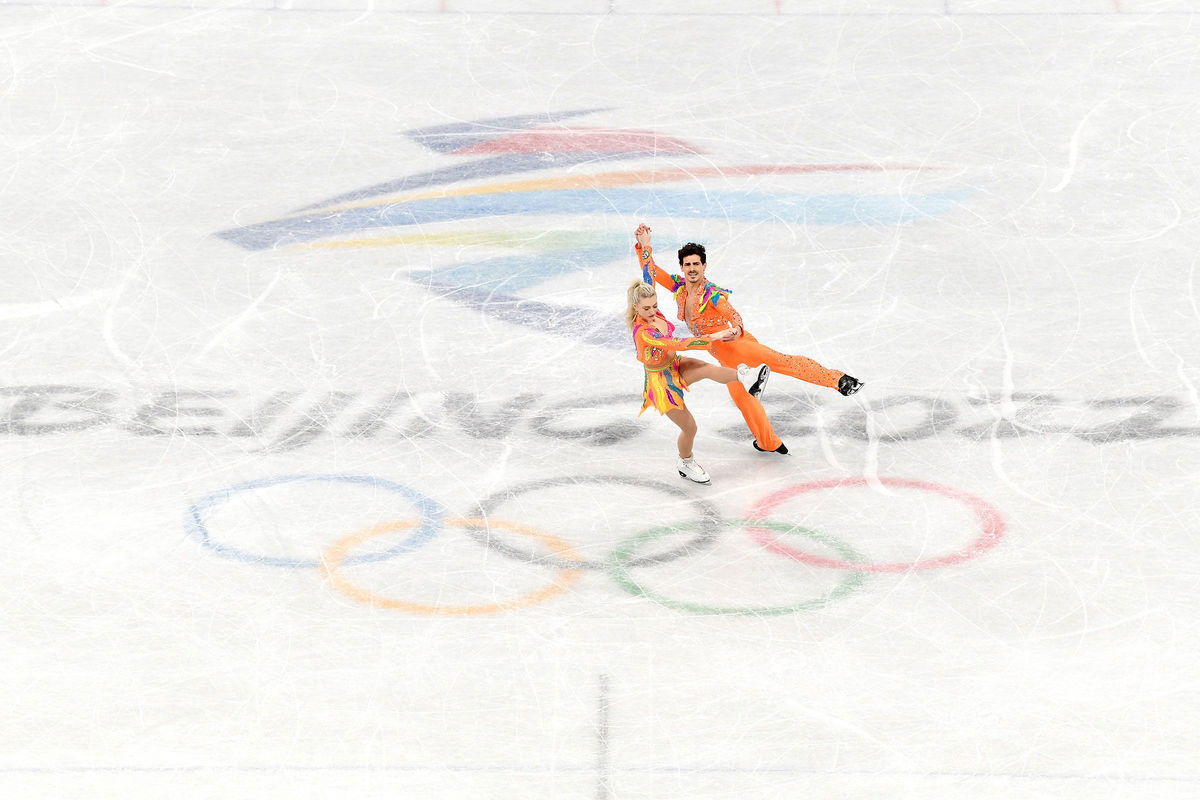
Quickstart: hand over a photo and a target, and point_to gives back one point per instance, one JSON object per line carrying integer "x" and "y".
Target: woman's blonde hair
{"x": 638, "y": 291}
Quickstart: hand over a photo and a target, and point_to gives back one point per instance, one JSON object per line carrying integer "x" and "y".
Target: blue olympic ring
{"x": 432, "y": 514}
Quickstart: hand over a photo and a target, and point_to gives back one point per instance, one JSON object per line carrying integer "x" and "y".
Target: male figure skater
{"x": 705, "y": 308}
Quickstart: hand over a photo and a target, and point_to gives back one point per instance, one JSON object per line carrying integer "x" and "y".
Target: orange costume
{"x": 707, "y": 310}
{"x": 664, "y": 386}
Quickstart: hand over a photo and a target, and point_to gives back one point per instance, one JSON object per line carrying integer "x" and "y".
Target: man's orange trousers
{"x": 746, "y": 350}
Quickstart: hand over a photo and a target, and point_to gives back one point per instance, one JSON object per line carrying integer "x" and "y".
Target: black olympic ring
{"x": 709, "y": 526}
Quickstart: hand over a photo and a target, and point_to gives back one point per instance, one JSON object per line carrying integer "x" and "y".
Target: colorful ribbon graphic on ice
{"x": 692, "y": 187}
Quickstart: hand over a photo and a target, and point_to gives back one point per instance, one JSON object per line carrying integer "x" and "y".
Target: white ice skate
{"x": 755, "y": 380}
{"x": 688, "y": 468}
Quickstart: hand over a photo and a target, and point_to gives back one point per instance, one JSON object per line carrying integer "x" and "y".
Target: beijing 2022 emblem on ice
{"x": 530, "y": 166}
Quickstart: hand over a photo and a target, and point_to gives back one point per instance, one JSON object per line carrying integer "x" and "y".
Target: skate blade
{"x": 762, "y": 386}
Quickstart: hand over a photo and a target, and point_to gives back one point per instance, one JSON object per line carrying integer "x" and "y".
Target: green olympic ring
{"x": 618, "y": 570}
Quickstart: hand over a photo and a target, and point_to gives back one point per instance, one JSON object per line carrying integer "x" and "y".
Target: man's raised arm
{"x": 650, "y": 271}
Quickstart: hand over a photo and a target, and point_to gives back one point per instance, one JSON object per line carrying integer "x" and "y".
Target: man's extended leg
{"x": 747, "y": 350}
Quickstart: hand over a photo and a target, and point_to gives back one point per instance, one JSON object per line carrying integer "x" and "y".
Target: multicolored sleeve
{"x": 648, "y": 335}
{"x": 652, "y": 274}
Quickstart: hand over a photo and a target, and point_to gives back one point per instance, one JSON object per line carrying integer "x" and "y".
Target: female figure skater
{"x": 669, "y": 375}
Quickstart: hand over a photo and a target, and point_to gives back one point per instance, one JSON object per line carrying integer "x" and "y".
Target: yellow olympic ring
{"x": 336, "y": 553}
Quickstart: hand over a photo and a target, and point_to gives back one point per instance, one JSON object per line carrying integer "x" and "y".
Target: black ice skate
{"x": 782, "y": 449}
{"x": 848, "y": 385}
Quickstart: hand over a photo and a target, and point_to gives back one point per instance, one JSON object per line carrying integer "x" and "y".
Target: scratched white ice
{"x": 322, "y": 469}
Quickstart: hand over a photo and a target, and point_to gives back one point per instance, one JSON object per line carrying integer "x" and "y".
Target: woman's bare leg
{"x": 687, "y": 429}
{"x": 693, "y": 369}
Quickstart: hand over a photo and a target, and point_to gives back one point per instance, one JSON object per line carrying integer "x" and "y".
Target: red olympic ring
{"x": 991, "y": 525}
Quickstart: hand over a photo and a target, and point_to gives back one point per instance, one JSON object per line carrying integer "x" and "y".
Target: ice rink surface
{"x": 322, "y": 469}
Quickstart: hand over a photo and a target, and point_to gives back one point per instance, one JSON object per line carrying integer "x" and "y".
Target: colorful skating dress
{"x": 657, "y": 351}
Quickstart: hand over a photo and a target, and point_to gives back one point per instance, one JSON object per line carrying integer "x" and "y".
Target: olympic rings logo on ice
{"x": 793, "y": 542}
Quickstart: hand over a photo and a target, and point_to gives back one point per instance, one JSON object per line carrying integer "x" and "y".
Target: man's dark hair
{"x": 692, "y": 249}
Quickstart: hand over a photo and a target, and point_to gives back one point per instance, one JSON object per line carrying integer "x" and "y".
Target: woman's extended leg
{"x": 693, "y": 369}
{"x": 754, "y": 380}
